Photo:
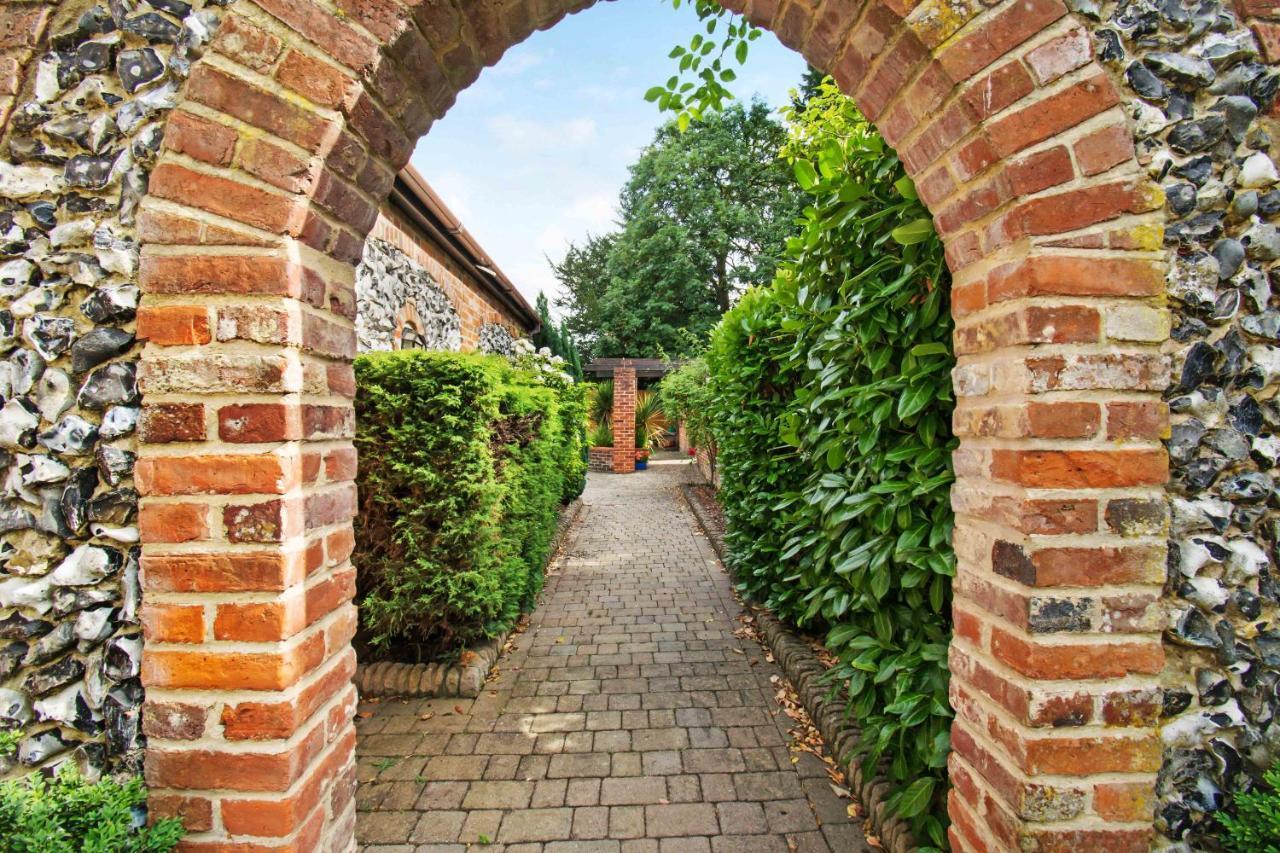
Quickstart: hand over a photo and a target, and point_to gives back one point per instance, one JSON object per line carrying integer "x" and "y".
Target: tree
{"x": 583, "y": 273}
{"x": 704, "y": 215}
{"x": 557, "y": 339}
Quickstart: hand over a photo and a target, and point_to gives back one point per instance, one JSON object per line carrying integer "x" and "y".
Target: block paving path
{"x": 627, "y": 719}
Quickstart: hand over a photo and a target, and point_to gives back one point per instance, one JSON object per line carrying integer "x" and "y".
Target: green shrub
{"x": 831, "y": 405}
{"x": 601, "y": 435}
{"x": 1255, "y": 826}
{"x": 68, "y": 814}
{"x": 464, "y": 462}
{"x": 685, "y": 397}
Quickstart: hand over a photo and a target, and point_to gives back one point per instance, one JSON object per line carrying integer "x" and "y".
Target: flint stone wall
{"x": 1197, "y": 91}
{"x": 387, "y": 282}
{"x": 81, "y": 142}
{"x": 496, "y": 339}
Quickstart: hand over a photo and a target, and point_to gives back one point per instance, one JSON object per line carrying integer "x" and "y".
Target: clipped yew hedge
{"x": 830, "y": 402}
{"x": 465, "y": 460}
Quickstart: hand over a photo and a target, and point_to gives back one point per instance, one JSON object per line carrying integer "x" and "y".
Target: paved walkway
{"x": 628, "y": 719}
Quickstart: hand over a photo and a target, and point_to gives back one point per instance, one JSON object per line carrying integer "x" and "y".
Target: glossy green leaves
{"x": 831, "y": 403}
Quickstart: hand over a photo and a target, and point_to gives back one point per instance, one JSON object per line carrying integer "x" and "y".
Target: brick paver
{"x": 628, "y": 718}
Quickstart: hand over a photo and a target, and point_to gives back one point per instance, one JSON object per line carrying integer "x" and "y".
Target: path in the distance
{"x": 628, "y": 719}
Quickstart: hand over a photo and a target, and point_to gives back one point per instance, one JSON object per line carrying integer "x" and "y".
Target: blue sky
{"x": 533, "y": 154}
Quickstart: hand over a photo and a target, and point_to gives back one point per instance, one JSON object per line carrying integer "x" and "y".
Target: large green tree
{"x": 704, "y": 215}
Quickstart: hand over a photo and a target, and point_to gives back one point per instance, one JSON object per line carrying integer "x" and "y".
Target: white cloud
{"x": 596, "y": 211}
{"x": 517, "y": 63}
{"x": 455, "y": 189}
{"x": 526, "y": 135}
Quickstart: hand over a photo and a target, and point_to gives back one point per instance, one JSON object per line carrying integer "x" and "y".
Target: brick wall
{"x": 600, "y": 460}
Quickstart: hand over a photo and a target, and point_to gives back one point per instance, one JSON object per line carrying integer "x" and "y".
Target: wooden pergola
{"x": 645, "y": 368}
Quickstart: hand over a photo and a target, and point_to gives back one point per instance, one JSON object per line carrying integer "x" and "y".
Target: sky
{"x": 533, "y": 155}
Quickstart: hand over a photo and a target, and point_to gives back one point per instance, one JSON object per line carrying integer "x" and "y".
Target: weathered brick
{"x": 173, "y": 523}
{"x": 173, "y": 623}
{"x": 200, "y": 138}
{"x": 227, "y": 197}
{"x": 246, "y": 43}
{"x": 174, "y": 325}
{"x": 163, "y": 423}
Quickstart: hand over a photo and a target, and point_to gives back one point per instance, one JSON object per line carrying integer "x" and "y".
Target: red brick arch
{"x": 286, "y": 142}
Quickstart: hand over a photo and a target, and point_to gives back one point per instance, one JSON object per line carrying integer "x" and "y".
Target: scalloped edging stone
{"x": 831, "y": 715}
{"x": 464, "y": 678}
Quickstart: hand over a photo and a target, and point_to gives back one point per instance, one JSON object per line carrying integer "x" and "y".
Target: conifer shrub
{"x": 465, "y": 460}
{"x": 66, "y": 813}
{"x": 1255, "y": 825}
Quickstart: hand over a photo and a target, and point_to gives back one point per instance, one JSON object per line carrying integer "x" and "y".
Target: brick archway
{"x": 287, "y": 138}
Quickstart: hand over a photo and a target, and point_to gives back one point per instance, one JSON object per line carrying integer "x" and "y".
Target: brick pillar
{"x": 246, "y": 464}
{"x": 624, "y": 420}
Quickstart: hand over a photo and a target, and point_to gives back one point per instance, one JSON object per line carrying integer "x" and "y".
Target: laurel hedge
{"x": 830, "y": 404}
{"x": 465, "y": 460}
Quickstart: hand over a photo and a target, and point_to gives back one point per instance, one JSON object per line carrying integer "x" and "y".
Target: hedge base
{"x": 466, "y": 677}
{"x": 831, "y": 716}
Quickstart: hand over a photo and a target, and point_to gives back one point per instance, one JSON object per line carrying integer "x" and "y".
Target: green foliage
{"x": 601, "y": 435}
{"x": 704, "y": 215}
{"x": 686, "y": 396}
{"x": 9, "y": 740}
{"x": 831, "y": 404}
{"x": 464, "y": 460}
{"x": 68, "y": 814}
{"x": 651, "y": 421}
{"x": 600, "y": 402}
{"x": 557, "y": 339}
{"x": 1255, "y": 826}
{"x": 705, "y": 65}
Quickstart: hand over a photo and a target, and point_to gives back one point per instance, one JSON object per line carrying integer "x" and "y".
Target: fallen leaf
{"x": 364, "y": 715}
{"x": 458, "y": 709}
{"x": 427, "y": 715}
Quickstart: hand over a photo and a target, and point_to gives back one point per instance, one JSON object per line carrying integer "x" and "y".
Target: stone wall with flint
{"x": 78, "y": 152}
{"x": 1198, "y": 92}
{"x": 393, "y": 291}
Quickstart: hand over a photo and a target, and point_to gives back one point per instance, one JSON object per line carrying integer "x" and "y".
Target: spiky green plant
{"x": 601, "y": 435}
{"x": 651, "y": 422}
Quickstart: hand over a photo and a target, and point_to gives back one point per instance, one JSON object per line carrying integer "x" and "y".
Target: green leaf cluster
{"x": 464, "y": 462}
{"x": 830, "y": 402}
{"x": 1255, "y": 825}
{"x": 66, "y": 813}
{"x": 686, "y": 397}
{"x": 705, "y": 65}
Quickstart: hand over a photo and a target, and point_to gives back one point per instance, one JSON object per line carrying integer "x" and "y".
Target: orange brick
{"x": 1077, "y": 660}
{"x": 225, "y": 475}
{"x": 174, "y": 325}
{"x": 173, "y": 523}
{"x": 265, "y": 571}
{"x": 259, "y": 623}
{"x": 173, "y": 623}
{"x": 1081, "y": 469}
